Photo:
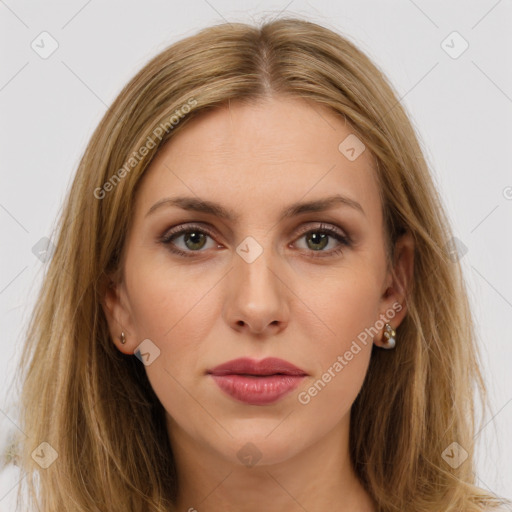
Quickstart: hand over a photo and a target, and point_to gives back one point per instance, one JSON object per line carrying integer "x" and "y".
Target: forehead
{"x": 261, "y": 157}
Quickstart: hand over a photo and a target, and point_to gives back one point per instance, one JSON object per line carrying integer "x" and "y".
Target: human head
{"x": 413, "y": 402}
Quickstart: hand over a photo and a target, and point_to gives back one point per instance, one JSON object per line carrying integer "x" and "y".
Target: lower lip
{"x": 257, "y": 390}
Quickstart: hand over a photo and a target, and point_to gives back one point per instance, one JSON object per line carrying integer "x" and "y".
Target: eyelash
{"x": 168, "y": 238}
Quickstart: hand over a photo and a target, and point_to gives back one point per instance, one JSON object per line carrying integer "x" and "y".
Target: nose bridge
{"x": 256, "y": 294}
{"x": 255, "y": 265}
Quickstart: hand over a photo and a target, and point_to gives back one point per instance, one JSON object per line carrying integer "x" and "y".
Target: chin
{"x": 261, "y": 446}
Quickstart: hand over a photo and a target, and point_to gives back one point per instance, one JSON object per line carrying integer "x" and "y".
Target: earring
{"x": 389, "y": 335}
{"x": 123, "y": 339}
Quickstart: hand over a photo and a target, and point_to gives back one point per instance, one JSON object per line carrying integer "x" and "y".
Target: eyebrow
{"x": 203, "y": 206}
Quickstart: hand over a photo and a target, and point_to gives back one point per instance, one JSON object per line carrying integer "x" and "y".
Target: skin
{"x": 203, "y": 310}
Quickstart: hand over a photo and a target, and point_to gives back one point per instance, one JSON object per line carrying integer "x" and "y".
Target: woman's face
{"x": 259, "y": 283}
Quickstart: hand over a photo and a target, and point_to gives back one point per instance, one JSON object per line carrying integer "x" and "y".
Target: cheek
{"x": 343, "y": 306}
{"x": 341, "y": 364}
{"x": 168, "y": 302}
{"x": 175, "y": 310}
{"x": 345, "y": 310}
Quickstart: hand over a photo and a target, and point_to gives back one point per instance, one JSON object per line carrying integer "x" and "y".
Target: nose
{"x": 257, "y": 295}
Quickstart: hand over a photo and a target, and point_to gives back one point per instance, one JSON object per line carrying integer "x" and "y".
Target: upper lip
{"x": 247, "y": 366}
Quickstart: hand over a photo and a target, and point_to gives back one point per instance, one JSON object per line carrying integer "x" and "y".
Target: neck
{"x": 313, "y": 479}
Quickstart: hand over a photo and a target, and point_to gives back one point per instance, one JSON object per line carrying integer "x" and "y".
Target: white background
{"x": 461, "y": 109}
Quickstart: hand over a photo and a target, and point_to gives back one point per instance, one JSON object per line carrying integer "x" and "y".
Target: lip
{"x": 257, "y": 382}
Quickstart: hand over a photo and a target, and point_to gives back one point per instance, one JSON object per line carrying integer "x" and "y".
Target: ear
{"x": 115, "y": 305}
{"x": 397, "y": 284}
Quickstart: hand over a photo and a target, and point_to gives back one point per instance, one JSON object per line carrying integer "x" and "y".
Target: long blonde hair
{"x": 95, "y": 406}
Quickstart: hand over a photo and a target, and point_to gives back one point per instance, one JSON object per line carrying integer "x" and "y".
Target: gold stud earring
{"x": 389, "y": 335}
{"x": 123, "y": 339}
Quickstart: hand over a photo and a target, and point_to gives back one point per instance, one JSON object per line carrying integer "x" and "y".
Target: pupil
{"x": 193, "y": 236}
{"x": 319, "y": 237}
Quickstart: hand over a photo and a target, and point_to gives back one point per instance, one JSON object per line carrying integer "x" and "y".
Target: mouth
{"x": 252, "y": 367}
{"x": 257, "y": 382}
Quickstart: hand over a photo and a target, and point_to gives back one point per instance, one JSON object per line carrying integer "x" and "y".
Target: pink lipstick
{"x": 257, "y": 382}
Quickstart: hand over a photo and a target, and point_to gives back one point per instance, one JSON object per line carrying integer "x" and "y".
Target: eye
{"x": 318, "y": 238}
{"x": 195, "y": 239}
